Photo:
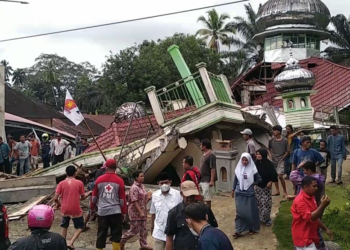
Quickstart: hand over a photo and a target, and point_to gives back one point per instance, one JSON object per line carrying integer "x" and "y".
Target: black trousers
{"x": 5, "y": 167}
{"x": 114, "y": 222}
{"x": 57, "y": 159}
{"x": 46, "y": 162}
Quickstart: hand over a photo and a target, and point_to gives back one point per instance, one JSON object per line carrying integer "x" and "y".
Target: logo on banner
{"x": 69, "y": 105}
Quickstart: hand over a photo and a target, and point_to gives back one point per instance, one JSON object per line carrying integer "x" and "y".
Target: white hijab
{"x": 249, "y": 170}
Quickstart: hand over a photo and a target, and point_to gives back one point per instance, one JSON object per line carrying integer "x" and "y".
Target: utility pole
{"x": 2, "y": 102}
{"x": 12, "y": 1}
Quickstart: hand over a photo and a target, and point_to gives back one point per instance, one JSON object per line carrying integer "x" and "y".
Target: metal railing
{"x": 178, "y": 98}
{"x": 189, "y": 94}
{"x": 219, "y": 88}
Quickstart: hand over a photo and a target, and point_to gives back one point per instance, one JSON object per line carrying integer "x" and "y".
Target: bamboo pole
{"x": 93, "y": 136}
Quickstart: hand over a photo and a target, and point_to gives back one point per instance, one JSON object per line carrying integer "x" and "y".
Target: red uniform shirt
{"x": 109, "y": 195}
{"x": 70, "y": 190}
{"x": 304, "y": 230}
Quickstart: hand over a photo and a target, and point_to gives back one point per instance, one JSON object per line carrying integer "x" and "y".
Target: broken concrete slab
{"x": 28, "y": 182}
{"x": 23, "y": 189}
{"x": 23, "y": 194}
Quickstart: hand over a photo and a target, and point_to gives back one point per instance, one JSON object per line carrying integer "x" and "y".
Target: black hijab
{"x": 266, "y": 169}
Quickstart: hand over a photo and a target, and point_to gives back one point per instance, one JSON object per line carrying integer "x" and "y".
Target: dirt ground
{"x": 223, "y": 208}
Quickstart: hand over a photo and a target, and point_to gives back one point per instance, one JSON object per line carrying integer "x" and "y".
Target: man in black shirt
{"x": 177, "y": 225}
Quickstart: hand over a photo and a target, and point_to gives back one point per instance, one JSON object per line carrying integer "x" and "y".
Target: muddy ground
{"x": 223, "y": 208}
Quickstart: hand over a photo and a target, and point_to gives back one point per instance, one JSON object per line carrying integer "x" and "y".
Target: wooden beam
{"x": 24, "y": 208}
{"x": 28, "y": 182}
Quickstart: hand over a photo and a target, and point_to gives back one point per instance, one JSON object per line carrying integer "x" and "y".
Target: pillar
{"x": 2, "y": 102}
{"x": 225, "y": 161}
{"x": 185, "y": 72}
{"x": 153, "y": 99}
{"x": 206, "y": 81}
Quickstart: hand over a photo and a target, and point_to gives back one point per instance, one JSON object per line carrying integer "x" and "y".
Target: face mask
{"x": 165, "y": 187}
{"x": 193, "y": 232}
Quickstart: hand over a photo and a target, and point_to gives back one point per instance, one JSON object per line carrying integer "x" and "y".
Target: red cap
{"x": 111, "y": 163}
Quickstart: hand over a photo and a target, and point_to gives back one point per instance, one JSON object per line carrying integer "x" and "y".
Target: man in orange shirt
{"x": 34, "y": 153}
{"x": 306, "y": 216}
{"x": 68, "y": 195}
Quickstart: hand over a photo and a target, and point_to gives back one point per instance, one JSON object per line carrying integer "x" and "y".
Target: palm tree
{"x": 236, "y": 63}
{"x": 18, "y": 78}
{"x": 8, "y": 71}
{"x": 50, "y": 76}
{"x": 247, "y": 29}
{"x": 340, "y": 39}
{"x": 214, "y": 29}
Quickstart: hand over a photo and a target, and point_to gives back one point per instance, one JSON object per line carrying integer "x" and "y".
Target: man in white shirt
{"x": 163, "y": 200}
{"x": 59, "y": 146}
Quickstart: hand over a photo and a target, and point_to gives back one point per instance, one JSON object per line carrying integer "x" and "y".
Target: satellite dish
{"x": 258, "y": 48}
{"x": 124, "y": 112}
{"x": 285, "y": 44}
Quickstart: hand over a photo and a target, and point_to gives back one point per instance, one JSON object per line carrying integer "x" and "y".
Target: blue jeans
{"x": 334, "y": 160}
{"x": 79, "y": 150}
{"x": 24, "y": 166}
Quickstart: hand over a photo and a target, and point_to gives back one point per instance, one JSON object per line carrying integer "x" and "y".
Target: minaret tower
{"x": 301, "y": 23}
{"x": 295, "y": 84}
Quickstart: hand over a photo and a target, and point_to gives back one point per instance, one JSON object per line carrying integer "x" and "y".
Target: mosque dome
{"x": 294, "y": 78}
{"x": 294, "y": 16}
{"x": 298, "y": 12}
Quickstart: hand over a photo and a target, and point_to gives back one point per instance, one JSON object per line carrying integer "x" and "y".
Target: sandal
{"x": 251, "y": 232}
{"x": 276, "y": 194}
{"x": 237, "y": 235}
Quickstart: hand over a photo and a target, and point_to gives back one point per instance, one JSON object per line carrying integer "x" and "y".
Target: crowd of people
{"x": 183, "y": 219}
{"x": 291, "y": 157}
{"x": 26, "y": 153}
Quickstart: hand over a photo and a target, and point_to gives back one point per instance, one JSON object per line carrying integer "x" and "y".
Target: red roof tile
{"x": 113, "y": 136}
{"x": 332, "y": 83}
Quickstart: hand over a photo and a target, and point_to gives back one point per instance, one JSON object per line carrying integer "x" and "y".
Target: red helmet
{"x": 40, "y": 216}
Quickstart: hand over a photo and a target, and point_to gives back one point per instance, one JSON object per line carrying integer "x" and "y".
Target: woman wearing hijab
{"x": 263, "y": 192}
{"x": 247, "y": 213}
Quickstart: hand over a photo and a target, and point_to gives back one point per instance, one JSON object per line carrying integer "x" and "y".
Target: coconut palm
{"x": 8, "y": 71}
{"x": 236, "y": 63}
{"x": 18, "y": 78}
{"x": 339, "y": 51}
{"x": 247, "y": 29}
{"x": 215, "y": 29}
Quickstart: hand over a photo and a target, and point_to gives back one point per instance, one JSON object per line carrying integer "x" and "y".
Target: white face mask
{"x": 194, "y": 232}
{"x": 165, "y": 187}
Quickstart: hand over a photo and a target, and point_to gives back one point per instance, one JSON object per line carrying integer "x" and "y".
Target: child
{"x": 322, "y": 169}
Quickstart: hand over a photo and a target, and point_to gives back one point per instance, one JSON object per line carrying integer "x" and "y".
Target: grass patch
{"x": 336, "y": 218}
{"x": 282, "y": 227}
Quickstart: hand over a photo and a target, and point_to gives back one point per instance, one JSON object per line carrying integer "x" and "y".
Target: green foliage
{"x": 338, "y": 220}
{"x": 8, "y": 71}
{"x": 215, "y": 29}
{"x": 246, "y": 29}
{"x": 127, "y": 73}
{"x": 282, "y": 226}
{"x": 340, "y": 39}
{"x": 336, "y": 217}
{"x": 48, "y": 79}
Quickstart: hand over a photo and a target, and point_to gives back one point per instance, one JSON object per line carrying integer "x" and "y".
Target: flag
{"x": 71, "y": 110}
{"x": 36, "y": 136}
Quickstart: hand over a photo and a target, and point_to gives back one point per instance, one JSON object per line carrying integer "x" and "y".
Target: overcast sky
{"x": 93, "y": 45}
